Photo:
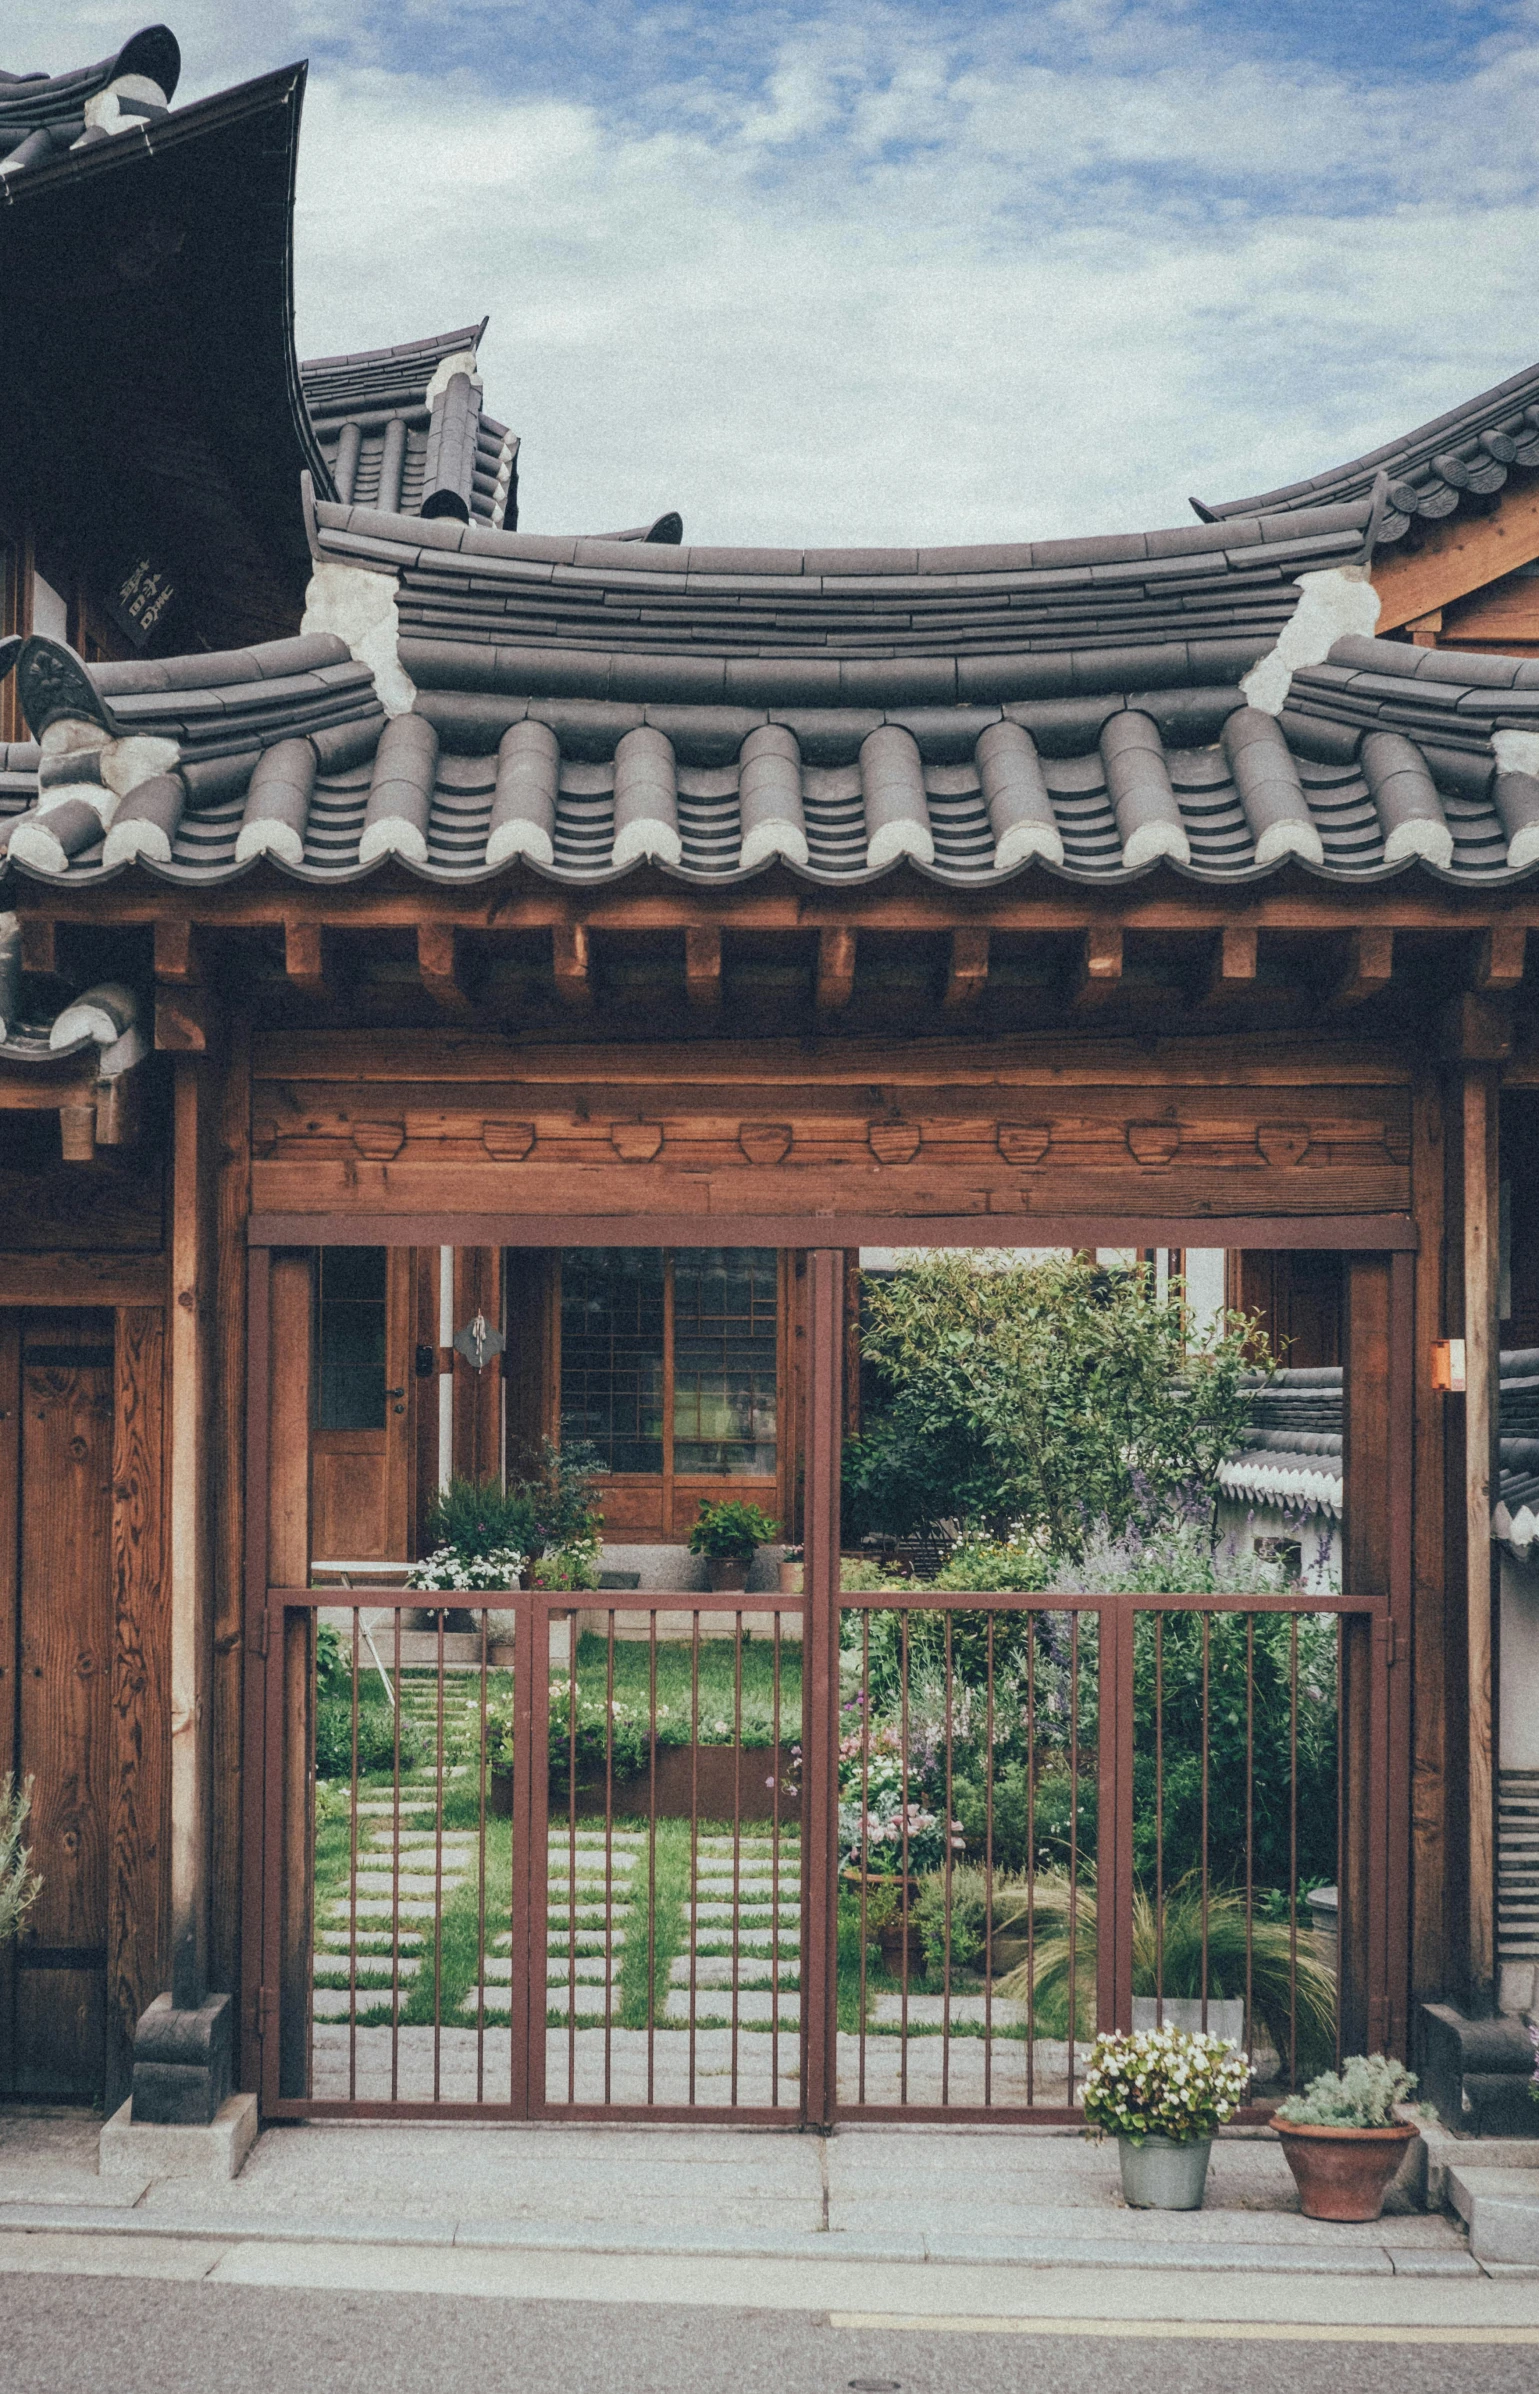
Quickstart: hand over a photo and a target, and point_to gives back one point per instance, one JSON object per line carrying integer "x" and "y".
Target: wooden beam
{"x": 188, "y": 1532}
{"x": 968, "y": 972}
{"x": 836, "y": 968}
{"x": 1482, "y": 1272}
{"x": 1232, "y": 970}
{"x": 1370, "y": 966}
{"x": 1099, "y": 975}
{"x": 181, "y": 1019}
{"x": 39, "y": 944}
{"x": 176, "y": 951}
{"x": 60, "y": 1278}
{"x": 77, "y": 1131}
{"x": 1461, "y": 554}
{"x": 307, "y": 957}
{"x": 438, "y": 964}
{"x": 1500, "y": 956}
{"x": 571, "y": 964}
{"x": 702, "y": 964}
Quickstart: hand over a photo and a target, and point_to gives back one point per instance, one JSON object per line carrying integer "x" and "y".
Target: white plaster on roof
{"x": 1516, "y": 751}
{"x": 358, "y": 607}
{"x": 463, "y": 361}
{"x": 1333, "y": 604}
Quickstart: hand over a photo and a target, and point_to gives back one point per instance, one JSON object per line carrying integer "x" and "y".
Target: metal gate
{"x": 896, "y": 1856}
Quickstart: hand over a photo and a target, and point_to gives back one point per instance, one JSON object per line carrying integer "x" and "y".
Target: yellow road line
{"x": 1248, "y": 2331}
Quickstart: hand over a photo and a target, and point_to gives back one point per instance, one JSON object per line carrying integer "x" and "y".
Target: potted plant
{"x": 1163, "y": 2094}
{"x": 729, "y": 1534}
{"x": 20, "y": 1885}
{"x": 1341, "y": 2138}
{"x": 789, "y": 1572}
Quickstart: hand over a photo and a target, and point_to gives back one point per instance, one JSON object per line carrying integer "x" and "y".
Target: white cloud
{"x": 882, "y": 282}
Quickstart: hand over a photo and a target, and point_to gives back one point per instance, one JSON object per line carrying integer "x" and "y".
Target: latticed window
{"x": 668, "y": 1360}
{"x": 350, "y": 1284}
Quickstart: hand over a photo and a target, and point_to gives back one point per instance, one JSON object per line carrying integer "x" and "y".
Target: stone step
{"x": 370, "y": 1966}
{"x": 754, "y": 1940}
{"x": 754, "y": 2007}
{"x": 720, "y": 1970}
{"x": 783, "y": 1912}
{"x": 408, "y": 1882}
{"x": 380, "y": 1941}
{"x": 387, "y": 1810}
{"x": 930, "y": 2011}
{"x": 377, "y": 1907}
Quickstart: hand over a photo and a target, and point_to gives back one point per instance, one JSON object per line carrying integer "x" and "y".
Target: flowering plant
{"x": 1163, "y": 2082}
{"x": 874, "y": 1841}
{"x": 1533, "y": 2038}
{"x": 449, "y": 1570}
{"x": 570, "y": 1566}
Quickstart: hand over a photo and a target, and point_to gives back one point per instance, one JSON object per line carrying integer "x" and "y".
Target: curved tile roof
{"x": 43, "y": 117}
{"x": 402, "y": 431}
{"x": 1472, "y": 449}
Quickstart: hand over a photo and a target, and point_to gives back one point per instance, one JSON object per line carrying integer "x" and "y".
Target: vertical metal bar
{"x": 1341, "y": 1828}
{"x": 988, "y": 1871}
{"x": 352, "y": 1883}
{"x": 438, "y": 1878}
{"x": 774, "y": 1874}
{"x": 395, "y": 1878}
{"x": 946, "y": 1888}
{"x": 865, "y": 1830}
{"x": 903, "y": 1915}
{"x": 1159, "y": 1820}
{"x": 1031, "y": 1870}
{"x": 1073, "y": 2022}
{"x": 652, "y": 1854}
{"x": 737, "y": 1836}
{"x": 1207, "y": 1735}
{"x": 609, "y": 1862}
{"x": 694, "y": 1842}
{"x": 531, "y": 1805}
{"x": 1293, "y": 1848}
{"x": 1122, "y": 1981}
{"x": 481, "y": 1969}
{"x": 571, "y": 1856}
{"x": 820, "y": 1673}
{"x": 1250, "y": 1828}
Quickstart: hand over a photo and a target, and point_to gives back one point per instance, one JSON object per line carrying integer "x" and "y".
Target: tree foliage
{"x": 1041, "y": 1398}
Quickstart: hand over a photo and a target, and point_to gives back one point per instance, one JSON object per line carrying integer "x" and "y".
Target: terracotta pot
{"x": 727, "y": 1572}
{"x": 788, "y": 1579}
{"x": 1343, "y": 2173}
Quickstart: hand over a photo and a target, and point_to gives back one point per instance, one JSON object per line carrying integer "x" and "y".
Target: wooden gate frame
{"x": 1382, "y": 1714}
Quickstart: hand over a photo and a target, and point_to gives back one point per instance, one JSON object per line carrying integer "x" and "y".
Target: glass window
{"x": 724, "y": 1308}
{"x": 671, "y": 1351}
{"x": 351, "y": 1300}
{"x": 612, "y": 1353}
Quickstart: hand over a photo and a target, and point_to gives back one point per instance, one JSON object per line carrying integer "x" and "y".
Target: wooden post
{"x": 288, "y": 1566}
{"x": 1430, "y": 1820}
{"x": 137, "y": 1884}
{"x": 188, "y": 1534}
{"x": 1365, "y": 1572}
{"x": 232, "y": 1197}
{"x": 1481, "y": 1334}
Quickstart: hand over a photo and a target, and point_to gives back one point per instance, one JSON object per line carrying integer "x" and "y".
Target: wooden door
{"x": 56, "y": 1644}
{"x": 360, "y": 1449}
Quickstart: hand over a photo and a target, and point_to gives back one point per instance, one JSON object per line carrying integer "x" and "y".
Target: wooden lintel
{"x": 82, "y": 1279}
{"x": 571, "y": 963}
{"x": 1099, "y": 976}
{"x": 836, "y": 968}
{"x": 176, "y": 949}
{"x": 1370, "y": 966}
{"x": 1232, "y": 973}
{"x": 39, "y": 1088}
{"x": 307, "y": 958}
{"x": 968, "y": 972}
{"x": 438, "y": 964}
{"x": 39, "y": 944}
{"x": 702, "y": 964}
{"x": 1500, "y": 956}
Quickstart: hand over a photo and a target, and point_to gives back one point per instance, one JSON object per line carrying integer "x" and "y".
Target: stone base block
{"x": 149, "y": 2149}
{"x": 1476, "y": 2073}
{"x": 182, "y": 2062}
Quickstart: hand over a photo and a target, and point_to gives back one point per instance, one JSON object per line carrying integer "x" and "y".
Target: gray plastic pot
{"x": 1161, "y": 2176}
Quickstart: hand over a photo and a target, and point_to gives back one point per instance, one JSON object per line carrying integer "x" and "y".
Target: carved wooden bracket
{"x": 764, "y": 1142}
{"x": 1283, "y": 1143}
{"x": 509, "y": 1142}
{"x": 894, "y": 1142}
{"x": 1153, "y": 1142}
{"x": 379, "y": 1141}
{"x": 636, "y": 1142}
{"x": 1024, "y": 1142}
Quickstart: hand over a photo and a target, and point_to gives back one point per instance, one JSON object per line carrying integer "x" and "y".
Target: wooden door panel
{"x": 349, "y": 1496}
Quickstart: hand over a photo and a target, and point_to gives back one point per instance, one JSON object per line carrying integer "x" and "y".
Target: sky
{"x": 859, "y": 271}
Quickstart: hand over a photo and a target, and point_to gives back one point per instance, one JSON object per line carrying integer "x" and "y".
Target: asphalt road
{"x": 96, "y": 2335}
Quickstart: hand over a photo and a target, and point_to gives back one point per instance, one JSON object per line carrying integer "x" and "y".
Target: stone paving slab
{"x": 753, "y": 2006}
{"x": 717, "y": 1970}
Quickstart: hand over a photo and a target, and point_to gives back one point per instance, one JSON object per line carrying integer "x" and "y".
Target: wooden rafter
{"x": 1370, "y": 967}
{"x": 1098, "y": 978}
{"x": 968, "y": 972}
{"x": 702, "y": 964}
{"x": 836, "y": 968}
{"x": 440, "y": 967}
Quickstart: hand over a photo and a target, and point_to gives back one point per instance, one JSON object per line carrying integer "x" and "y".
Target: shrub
{"x": 550, "y": 1505}
{"x": 1049, "y": 1395}
{"x": 730, "y": 1530}
{"x": 376, "y": 1738}
{"x": 20, "y": 1885}
{"x": 1163, "y": 2082}
{"x": 1363, "y": 2095}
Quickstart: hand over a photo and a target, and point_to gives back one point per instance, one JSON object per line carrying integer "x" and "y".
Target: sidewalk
{"x": 1002, "y": 2200}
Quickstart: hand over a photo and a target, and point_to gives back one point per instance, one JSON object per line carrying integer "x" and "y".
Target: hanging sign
{"x": 478, "y": 1342}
